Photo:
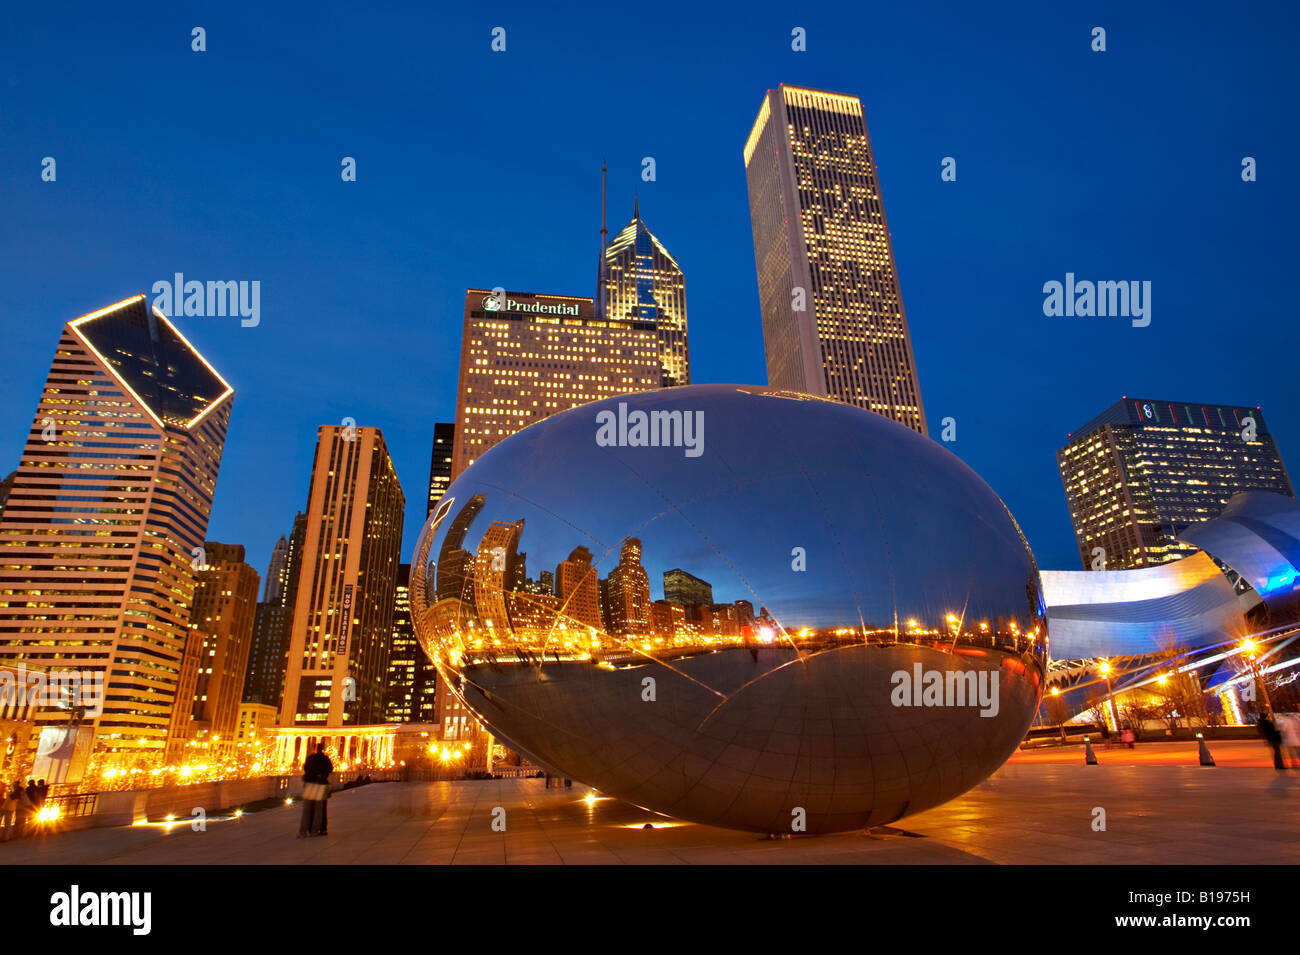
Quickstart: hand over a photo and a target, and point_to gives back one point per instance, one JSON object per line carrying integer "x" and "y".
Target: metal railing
{"x": 76, "y": 804}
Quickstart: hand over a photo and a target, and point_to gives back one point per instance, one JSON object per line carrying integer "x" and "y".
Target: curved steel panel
{"x": 738, "y": 616}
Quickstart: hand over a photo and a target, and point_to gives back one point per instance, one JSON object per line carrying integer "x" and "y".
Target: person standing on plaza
{"x": 316, "y": 770}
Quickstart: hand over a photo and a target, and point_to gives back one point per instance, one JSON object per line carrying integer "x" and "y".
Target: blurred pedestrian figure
{"x": 8, "y": 807}
{"x": 43, "y": 788}
{"x": 1288, "y": 726}
{"x": 1128, "y": 736}
{"x": 34, "y": 794}
{"x": 24, "y": 809}
{"x": 1268, "y": 730}
{"x": 316, "y": 770}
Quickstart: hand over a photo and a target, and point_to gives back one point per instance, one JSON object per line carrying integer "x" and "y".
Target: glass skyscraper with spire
{"x": 643, "y": 283}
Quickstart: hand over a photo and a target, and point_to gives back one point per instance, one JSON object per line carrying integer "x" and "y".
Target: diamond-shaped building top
{"x": 148, "y": 355}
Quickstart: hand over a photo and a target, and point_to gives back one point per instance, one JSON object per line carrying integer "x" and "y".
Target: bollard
{"x": 1206, "y": 758}
{"x": 1089, "y": 757}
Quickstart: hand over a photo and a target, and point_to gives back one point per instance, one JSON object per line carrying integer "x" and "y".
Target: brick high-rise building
{"x": 833, "y": 318}
{"x": 343, "y": 615}
{"x": 221, "y": 630}
{"x": 107, "y": 513}
{"x": 1143, "y": 470}
{"x": 576, "y": 586}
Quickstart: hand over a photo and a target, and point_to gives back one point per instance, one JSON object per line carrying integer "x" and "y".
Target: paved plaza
{"x": 1028, "y": 812}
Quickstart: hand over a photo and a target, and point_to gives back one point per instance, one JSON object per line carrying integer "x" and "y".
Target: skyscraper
{"x": 527, "y": 356}
{"x": 221, "y": 629}
{"x": 108, "y": 513}
{"x": 410, "y": 695}
{"x": 1143, "y": 470}
{"x": 645, "y": 285}
{"x": 343, "y": 615}
{"x": 629, "y": 593}
{"x": 444, "y": 444}
{"x": 687, "y": 589}
{"x": 277, "y": 570}
{"x": 576, "y": 586}
{"x": 268, "y": 654}
{"x": 833, "y": 318}
{"x": 496, "y": 565}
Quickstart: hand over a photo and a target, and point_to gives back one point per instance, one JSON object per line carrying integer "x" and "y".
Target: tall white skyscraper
{"x": 833, "y": 318}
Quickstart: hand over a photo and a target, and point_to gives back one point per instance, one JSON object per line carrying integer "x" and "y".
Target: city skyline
{"x": 996, "y": 384}
{"x": 538, "y": 435}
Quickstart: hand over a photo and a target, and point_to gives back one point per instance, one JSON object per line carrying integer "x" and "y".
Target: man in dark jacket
{"x": 316, "y": 769}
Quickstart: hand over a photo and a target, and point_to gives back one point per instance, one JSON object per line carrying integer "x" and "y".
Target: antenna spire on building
{"x": 604, "y": 234}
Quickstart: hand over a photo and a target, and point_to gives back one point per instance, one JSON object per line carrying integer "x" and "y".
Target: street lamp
{"x": 1104, "y": 669}
{"x": 1250, "y": 648}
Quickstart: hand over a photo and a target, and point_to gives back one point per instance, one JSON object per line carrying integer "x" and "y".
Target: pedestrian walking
{"x": 1128, "y": 736}
{"x": 316, "y": 770}
{"x": 24, "y": 809}
{"x": 8, "y": 808}
{"x": 1268, "y": 729}
{"x": 1288, "y": 725}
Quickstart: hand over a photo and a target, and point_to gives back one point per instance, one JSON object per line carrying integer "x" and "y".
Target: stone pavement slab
{"x": 1026, "y": 813}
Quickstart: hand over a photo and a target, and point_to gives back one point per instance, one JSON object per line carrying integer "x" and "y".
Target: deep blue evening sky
{"x": 480, "y": 169}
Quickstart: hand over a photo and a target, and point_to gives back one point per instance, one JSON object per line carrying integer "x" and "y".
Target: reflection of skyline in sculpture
{"x": 494, "y": 600}
{"x": 867, "y": 549}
